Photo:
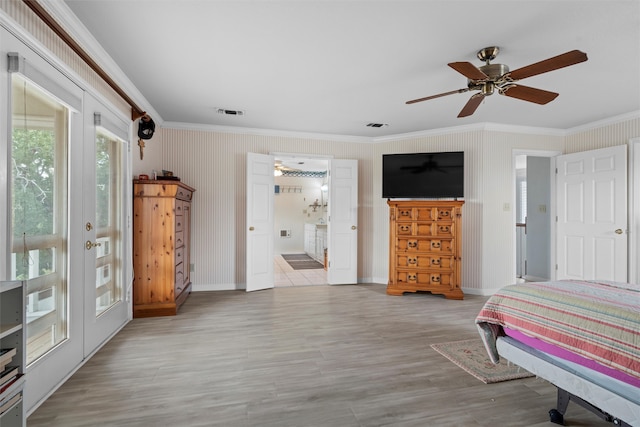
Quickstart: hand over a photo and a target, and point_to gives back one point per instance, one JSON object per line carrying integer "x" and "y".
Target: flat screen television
{"x": 423, "y": 175}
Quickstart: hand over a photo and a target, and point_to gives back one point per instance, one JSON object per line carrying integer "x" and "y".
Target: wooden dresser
{"x": 425, "y": 247}
{"x": 161, "y": 241}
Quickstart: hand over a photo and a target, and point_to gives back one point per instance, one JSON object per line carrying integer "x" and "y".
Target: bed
{"x": 581, "y": 336}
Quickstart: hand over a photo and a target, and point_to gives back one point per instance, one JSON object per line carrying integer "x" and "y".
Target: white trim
{"x": 551, "y": 154}
{"x": 604, "y": 122}
{"x": 70, "y": 23}
{"x": 65, "y": 17}
{"x": 45, "y": 53}
{"x": 634, "y": 210}
{"x": 265, "y": 132}
{"x": 486, "y": 126}
{"x": 279, "y": 154}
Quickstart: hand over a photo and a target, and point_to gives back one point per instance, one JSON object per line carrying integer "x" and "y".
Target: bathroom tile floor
{"x": 285, "y": 275}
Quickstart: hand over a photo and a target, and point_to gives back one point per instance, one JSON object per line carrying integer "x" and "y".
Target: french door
{"x": 104, "y": 224}
{"x": 66, "y": 198}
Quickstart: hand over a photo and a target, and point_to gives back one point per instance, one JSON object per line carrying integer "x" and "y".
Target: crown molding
{"x": 267, "y": 132}
{"x": 67, "y": 20}
{"x": 76, "y": 29}
{"x": 485, "y": 126}
{"x": 604, "y": 122}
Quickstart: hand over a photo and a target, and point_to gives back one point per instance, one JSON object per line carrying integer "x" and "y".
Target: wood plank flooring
{"x": 335, "y": 356}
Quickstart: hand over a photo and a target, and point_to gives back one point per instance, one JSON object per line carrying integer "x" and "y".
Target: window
{"x": 40, "y": 137}
{"x": 108, "y": 220}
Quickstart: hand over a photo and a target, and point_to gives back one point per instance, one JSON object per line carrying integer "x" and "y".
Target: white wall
{"x": 292, "y": 211}
{"x": 214, "y": 163}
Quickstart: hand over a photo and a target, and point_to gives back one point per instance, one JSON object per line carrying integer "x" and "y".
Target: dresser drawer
{"x": 444, "y": 213}
{"x": 179, "y": 285}
{"x": 179, "y": 222}
{"x": 179, "y": 207}
{"x": 179, "y": 255}
{"x": 424, "y": 261}
{"x": 179, "y": 239}
{"x": 422, "y": 244}
{"x": 414, "y": 277}
{"x": 184, "y": 194}
{"x": 443, "y": 229}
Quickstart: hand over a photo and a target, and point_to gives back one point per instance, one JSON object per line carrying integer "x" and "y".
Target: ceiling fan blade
{"x": 566, "y": 59}
{"x": 468, "y": 70}
{"x": 530, "y": 94}
{"x": 413, "y": 101}
{"x": 472, "y": 105}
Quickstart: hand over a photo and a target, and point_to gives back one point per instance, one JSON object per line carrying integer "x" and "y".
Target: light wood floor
{"x": 335, "y": 356}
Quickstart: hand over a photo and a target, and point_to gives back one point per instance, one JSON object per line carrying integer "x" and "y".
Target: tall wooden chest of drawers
{"x": 425, "y": 247}
{"x": 161, "y": 242}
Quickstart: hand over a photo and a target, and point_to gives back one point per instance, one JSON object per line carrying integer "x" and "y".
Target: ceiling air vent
{"x": 230, "y": 112}
{"x": 377, "y": 125}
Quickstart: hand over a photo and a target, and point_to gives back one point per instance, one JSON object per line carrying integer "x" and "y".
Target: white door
{"x": 343, "y": 222}
{"x": 260, "y": 187}
{"x": 592, "y": 215}
{"x": 105, "y": 232}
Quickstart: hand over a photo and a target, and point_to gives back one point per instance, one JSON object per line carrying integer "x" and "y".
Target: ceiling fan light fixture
{"x": 490, "y": 77}
{"x": 487, "y": 88}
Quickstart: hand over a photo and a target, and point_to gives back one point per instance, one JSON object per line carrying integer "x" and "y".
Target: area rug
{"x": 471, "y": 356}
{"x": 302, "y": 262}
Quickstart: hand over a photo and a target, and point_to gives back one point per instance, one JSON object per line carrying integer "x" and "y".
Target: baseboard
{"x": 216, "y": 287}
{"x": 481, "y": 292}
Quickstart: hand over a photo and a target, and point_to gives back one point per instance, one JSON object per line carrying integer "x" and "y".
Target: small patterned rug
{"x": 471, "y": 356}
{"x": 302, "y": 262}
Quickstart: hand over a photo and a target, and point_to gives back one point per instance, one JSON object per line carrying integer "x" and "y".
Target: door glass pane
{"x": 108, "y": 221}
{"x": 39, "y": 211}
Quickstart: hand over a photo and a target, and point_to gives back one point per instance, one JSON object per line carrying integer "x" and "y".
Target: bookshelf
{"x": 12, "y": 353}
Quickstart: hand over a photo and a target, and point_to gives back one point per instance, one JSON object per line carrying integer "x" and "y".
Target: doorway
{"x": 300, "y": 220}
{"x": 534, "y": 206}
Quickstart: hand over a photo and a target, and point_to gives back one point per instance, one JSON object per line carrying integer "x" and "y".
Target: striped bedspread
{"x": 595, "y": 319}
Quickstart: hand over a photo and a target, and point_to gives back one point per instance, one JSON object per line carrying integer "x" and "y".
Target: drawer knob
{"x": 412, "y": 261}
{"x": 412, "y": 244}
{"x": 435, "y": 245}
{"x": 444, "y": 228}
{"x": 435, "y": 261}
{"x": 435, "y": 279}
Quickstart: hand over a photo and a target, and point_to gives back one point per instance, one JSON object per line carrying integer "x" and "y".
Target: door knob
{"x": 619, "y": 231}
{"x": 353, "y": 227}
{"x": 251, "y": 228}
{"x": 90, "y": 245}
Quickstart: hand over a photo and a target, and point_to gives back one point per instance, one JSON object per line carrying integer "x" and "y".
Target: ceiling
{"x": 332, "y": 67}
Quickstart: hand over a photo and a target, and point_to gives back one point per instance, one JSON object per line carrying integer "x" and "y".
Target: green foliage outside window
{"x": 32, "y": 198}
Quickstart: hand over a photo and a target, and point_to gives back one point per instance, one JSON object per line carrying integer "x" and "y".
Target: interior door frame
{"x": 329, "y": 159}
{"x": 633, "y": 273}
{"x": 551, "y": 154}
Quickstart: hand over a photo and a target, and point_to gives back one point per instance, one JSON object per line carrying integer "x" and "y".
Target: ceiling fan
{"x": 491, "y": 77}
{"x": 279, "y": 168}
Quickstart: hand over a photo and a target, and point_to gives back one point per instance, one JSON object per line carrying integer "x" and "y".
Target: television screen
{"x": 423, "y": 175}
